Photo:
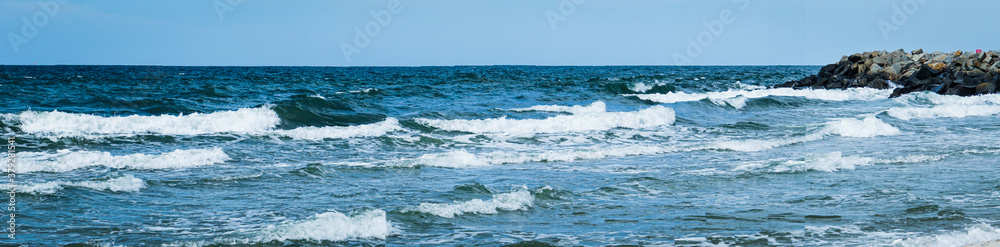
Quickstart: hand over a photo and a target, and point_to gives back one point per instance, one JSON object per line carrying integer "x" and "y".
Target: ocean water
{"x": 668, "y": 156}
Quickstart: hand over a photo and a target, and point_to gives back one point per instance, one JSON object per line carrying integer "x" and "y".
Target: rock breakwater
{"x": 953, "y": 73}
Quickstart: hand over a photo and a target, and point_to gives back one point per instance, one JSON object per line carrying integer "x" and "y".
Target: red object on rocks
{"x": 979, "y": 50}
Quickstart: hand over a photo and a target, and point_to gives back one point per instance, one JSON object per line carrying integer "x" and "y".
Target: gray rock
{"x": 879, "y": 60}
{"x": 876, "y": 68}
{"x": 918, "y": 51}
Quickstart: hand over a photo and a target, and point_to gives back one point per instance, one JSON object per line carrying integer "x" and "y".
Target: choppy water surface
{"x": 683, "y": 156}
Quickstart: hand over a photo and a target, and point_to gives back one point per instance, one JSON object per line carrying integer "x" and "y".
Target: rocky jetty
{"x": 953, "y": 73}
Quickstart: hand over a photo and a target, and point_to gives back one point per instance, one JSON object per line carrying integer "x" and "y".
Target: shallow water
{"x": 684, "y": 156}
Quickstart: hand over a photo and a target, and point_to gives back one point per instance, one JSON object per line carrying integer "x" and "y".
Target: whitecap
{"x": 334, "y": 226}
{"x": 75, "y": 124}
{"x": 338, "y": 132}
{"x": 974, "y": 234}
{"x": 655, "y": 116}
{"x": 65, "y": 160}
{"x": 865, "y": 94}
{"x": 596, "y": 107}
{"x": 512, "y": 201}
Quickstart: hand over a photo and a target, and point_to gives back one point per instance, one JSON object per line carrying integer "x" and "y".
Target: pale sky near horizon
{"x": 483, "y": 32}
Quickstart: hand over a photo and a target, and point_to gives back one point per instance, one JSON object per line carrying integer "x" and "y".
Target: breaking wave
{"x": 655, "y": 116}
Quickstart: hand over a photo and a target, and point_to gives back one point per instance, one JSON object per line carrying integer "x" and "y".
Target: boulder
{"x": 917, "y": 51}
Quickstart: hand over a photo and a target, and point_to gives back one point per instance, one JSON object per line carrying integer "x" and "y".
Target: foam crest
{"x": 828, "y": 162}
{"x": 868, "y": 127}
{"x": 127, "y": 183}
{"x": 655, "y": 116}
{"x": 512, "y": 201}
{"x": 464, "y": 159}
{"x": 976, "y": 234}
{"x": 761, "y": 145}
{"x": 334, "y": 226}
{"x": 75, "y": 124}
{"x": 820, "y": 94}
{"x": 336, "y": 132}
{"x": 596, "y": 107}
{"x": 943, "y": 111}
{"x": 65, "y": 160}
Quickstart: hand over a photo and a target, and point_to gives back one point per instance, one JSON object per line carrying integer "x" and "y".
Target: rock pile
{"x": 953, "y": 73}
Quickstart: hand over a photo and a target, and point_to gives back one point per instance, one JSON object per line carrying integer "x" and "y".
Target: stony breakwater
{"x": 952, "y": 73}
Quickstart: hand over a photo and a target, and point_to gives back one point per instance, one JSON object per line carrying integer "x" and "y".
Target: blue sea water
{"x": 492, "y": 155}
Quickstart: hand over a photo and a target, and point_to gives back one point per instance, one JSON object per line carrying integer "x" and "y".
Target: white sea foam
{"x": 256, "y": 121}
{"x": 462, "y": 158}
{"x": 596, "y": 107}
{"x": 336, "y": 132}
{"x": 820, "y": 94}
{"x": 827, "y": 162}
{"x": 848, "y": 127}
{"x": 39, "y": 188}
{"x": 945, "y": 106}
{"x": 65, "y": 160}
{"x": 655, "y": 116}
{"x": 943, "y": 111}
{"x": 75, "y": 124}
{"x": 334, "y": 226}
{"x": 127, "y": 183}
{"x": 512, "y": 201}
{"x": 971, "y": 235}
{"x": 868, "y": 127}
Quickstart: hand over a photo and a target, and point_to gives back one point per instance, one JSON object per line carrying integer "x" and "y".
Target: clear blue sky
{"x": 483, "y": 32}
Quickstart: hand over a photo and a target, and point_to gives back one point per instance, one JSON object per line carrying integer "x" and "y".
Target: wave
{"x": 252, "y": 121}
{"x": 868, "y": 127}
{"x": 971, "y": 236}
{"x": 848, "y": 127}
{"x": 464, "y": 159}
{"x": 737, "y": 98}
{"x": 75, "y": 124}
{"x": 596, "y": 107}
{"x": 337, "y": 132}
{"x": 333, "y": 226}
{"x": 65, "y": 160}
{"x": 512, "y": 201}
{"x": 127, "y": 183}
{"x": 945, "y": 106}
{"x": 655, "y": 116}
{"x": 943, "y": 111}
{"x": 829, "y": 162}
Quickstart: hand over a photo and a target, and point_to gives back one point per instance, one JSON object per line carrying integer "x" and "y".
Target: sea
{"x": 488, "y": 156}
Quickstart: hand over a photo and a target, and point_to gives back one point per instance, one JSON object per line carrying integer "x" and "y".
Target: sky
{"x": 483, "y": 32}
